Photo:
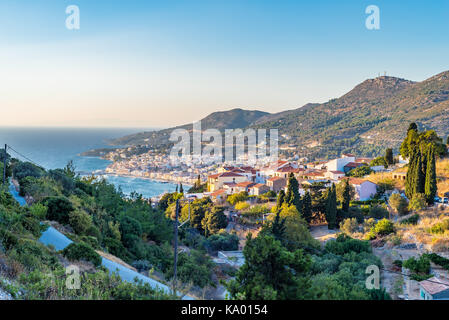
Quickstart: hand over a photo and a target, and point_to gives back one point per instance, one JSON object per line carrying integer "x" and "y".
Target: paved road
{"x": 60, "y": 241}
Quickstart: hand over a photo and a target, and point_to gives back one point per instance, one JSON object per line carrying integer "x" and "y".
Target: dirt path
{"x": 322, "y": 233}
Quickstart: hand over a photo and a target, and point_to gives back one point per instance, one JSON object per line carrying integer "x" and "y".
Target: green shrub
{"x": 223, "y": 241}
{"x": 80, "y": 221}
{"x": 237, "y": 197}
{"x": 421, "y": 265}
{"x": 439, "y": 260}
{"x": 130, "y": 226}
{"x": 58, "y": 208}
{"x": 82, "y": 251}
{"x": 115, "y": 247}
{"x": 382, "y": 228}
{"x": 349, "y": 226}
{"x": 418, "y": 202}
{"x": 440, "y": 227}
{"x": 39, "y": 211}
{"x": 241, "y": 206}
{"x": 378, "y": 212}
{"x": 411, "y": 220}
{"x": 397, "y": 263}
{"x": 344, "y": 244}
{"x": 399, "y": 204}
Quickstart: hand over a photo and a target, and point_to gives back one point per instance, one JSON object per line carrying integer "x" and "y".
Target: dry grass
{"x": 386, "y": 176}
{"x": 420, "y": 232}
{"x": 443, "y": 176}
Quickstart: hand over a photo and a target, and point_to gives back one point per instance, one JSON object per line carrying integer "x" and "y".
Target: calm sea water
{"x": 54, "y": 147}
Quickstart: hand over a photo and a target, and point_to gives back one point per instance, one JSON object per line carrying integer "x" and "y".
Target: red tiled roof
{"x": 358, "y": 181}
{"x": 275, "y": 178}
{"x": 258, "y": 185}
{"x": 230, "y": 174}
{"x": 225, "y": 174}
{"x": 354, "y": 164}
{"x": 363, "y": 160}
{"x": 435, "y": 285}
{"x": 217, "y": 193}
{"x": 244, "y": 184}
{"x": 230, "y": 184}
{"x": 287, "y": 169}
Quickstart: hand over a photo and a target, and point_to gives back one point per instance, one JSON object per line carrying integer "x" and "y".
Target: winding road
{"x": 53, "y": 237}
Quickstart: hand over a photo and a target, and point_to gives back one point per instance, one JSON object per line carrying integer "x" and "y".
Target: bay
{"x": 53, "y": 148}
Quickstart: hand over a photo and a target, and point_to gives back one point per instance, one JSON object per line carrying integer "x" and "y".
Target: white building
{"x": 339, "y": 164}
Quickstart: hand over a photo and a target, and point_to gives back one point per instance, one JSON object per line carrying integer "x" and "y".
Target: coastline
{"x": 160, "y": 180}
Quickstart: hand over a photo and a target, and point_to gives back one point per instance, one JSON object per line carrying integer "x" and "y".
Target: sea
{"x": 53, "y": 148}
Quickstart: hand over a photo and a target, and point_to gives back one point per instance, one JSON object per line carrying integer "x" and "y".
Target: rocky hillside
{"x": 370, "y": 117}
{"x": 232, "y": 119}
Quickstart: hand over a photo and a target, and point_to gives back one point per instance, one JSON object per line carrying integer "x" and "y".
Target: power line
{"x": 25, "y": 157}
{"x": 409, "y": 276}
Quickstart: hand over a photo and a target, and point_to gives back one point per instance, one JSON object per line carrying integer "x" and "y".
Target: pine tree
{"x": 346, "y": 196}
{"x": 431, "y": 178}
{"x": 307, "y": 207}
{"x": 331, "y": 207}
{"x": 214, "y": 220}
{"x": 278, "y": 227}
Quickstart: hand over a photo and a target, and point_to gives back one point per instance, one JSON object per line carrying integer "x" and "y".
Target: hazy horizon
{"x": 144, "y": 64}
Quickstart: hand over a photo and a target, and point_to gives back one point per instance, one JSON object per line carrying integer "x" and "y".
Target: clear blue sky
{"x": 160, "y": 63}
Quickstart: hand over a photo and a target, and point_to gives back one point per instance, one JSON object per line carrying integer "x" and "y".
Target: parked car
{"x": 438, "y": 200}
{"x": 445, "y": 200}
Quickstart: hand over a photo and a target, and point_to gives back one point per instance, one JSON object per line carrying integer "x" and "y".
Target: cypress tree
{"x": 414, "y": 174}
{"x": 331, "y": 207}
{"x": 292, "y": 197}
{"x": 306, "y": 205}
{"x": 412, "y": 126}
{"x": 280, "y": 199}
{"x": 389, "y": 156}
{"x": 431, "y": 177}
{"x": 346, "y": 196}
{"x": 181, "y": 190}
{"x": 421, "y": 173}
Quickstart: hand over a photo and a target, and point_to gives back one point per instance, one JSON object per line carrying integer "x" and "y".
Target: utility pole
{"x": 175, "y": 267}
{"x": 4, "y": 165}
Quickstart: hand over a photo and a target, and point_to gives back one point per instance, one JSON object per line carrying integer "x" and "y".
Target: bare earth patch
{"x": 322, "y": 233}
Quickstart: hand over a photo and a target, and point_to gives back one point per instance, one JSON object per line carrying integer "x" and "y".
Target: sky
{"x": 169, "y": 62}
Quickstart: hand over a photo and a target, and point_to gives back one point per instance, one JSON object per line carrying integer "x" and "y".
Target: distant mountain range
{"x": 372, "y": 116}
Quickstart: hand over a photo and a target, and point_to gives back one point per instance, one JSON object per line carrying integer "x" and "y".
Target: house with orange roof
{"x": 216, "y": 181}
{"x": 219, "y": 195}
{"x": 352, "y": 165}
{"x": 365, "y": 189}
{"x": 244, "y": 186}
{"x": 276, "y": 184}
{"x": 258, "y": 189}
{"x": 334, "y": 175}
